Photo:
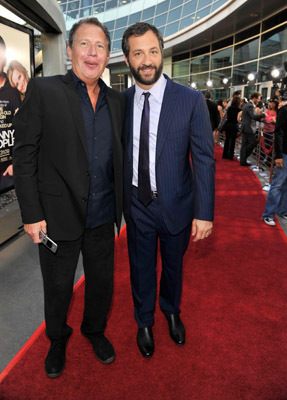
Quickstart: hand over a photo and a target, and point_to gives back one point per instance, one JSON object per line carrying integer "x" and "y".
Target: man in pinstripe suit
{"x": 170, "y": 198}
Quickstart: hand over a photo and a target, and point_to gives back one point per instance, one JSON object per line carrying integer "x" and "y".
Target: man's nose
{"x": 92, "y": 50}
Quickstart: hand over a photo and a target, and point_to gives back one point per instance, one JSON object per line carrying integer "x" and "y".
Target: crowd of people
{"x": 238, "y": 116}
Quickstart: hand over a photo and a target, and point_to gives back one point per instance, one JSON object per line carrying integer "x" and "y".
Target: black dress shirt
{"x": 101, "y": 204}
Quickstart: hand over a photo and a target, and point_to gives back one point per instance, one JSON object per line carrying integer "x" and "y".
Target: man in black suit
{"x": 68, "y": 178}
{"x": 213, "y": 110}
{"x": 249, "y": 118}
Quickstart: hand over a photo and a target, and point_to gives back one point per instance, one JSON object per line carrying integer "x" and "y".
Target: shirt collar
{"x": 157, "y": 90}
{"x": 78, "y": 81}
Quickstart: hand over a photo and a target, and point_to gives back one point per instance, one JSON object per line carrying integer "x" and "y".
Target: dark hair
{"x": 139, "y": 29}
{"x": 236, "y": 101}
{"x": 91, "y": 21}
{"x": 275, "y": 101}
{"x": 220, "y": 102}
{"x": 207, "y": 94}
{"x": 2, "y": 42}
{"x": 255, "y": 95}
{"x": 237, "y": 93}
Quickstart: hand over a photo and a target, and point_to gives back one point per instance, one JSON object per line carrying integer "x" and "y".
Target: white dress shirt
{"x": 155, "y": 102}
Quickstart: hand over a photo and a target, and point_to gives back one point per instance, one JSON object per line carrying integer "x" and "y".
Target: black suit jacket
{"x": 213, "y": 113}
{"x": 51, "y": 167}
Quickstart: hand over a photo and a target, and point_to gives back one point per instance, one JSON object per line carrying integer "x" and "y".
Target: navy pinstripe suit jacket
{"x": 185, "y": 190}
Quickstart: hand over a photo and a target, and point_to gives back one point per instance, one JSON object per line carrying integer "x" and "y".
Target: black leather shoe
{"x": 103, "y": 348}
{"x": 145, "y": 341}
{"x": 176, "y": 328}
{"x": 56, "y": 358}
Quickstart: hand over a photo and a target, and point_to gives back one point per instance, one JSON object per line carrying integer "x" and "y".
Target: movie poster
{"x": 16, "y": 66}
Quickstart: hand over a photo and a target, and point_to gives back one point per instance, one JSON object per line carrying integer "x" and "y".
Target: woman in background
{"x": 231, "y": 128}
{"x": 18, "y": 77}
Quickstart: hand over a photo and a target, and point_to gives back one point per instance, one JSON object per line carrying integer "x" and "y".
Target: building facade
{"x": 226, "y": 44}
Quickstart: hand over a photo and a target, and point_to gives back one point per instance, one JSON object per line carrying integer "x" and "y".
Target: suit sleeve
{"x": 28, "y": 132}
{"x": 252, "y": 114}
{"x": 202, "y": 154}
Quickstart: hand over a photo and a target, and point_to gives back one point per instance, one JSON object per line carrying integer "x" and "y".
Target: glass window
{"x": 217, "y": 94}
{"x": 117, "y": 45}
{"x": 135, "y": 18}
{"x": 200, "y": 80}
{"x": 240, "y": 73}
{"x": 148, "y": 13}
{"x": 73, "y": 6}
{"x": 222, "y": 43}
{"x": 86, "y": 12}
{"x": 162, "y": 7}
{"x": 98, "y": 9}
{"x": 246, "y": 51}
{"x": 174, "y": 14}
{"x": 255, "y": 30}
{"x": 248, "y": 90}
{"x": 199, "y": 64}
{"x": 203, "y": 3}
{"x": 189, "y": 7}
{"x": 274, "y": 41}
{"x": 171, "y": 29}
{"x": 86, "y": 3}
{"x": 180, "y": 68}
{"x": 266, "y": 65}
{"x": 183, "y": 80}
{"x": 200, "y": 51}
{"x": 175, "y": 3}
{"x": 71, "y": 15}
{"x": 217, "y": 76}
{"x": 149, "y": 21}
{"x": 203, "y": 13}
{"x": 187, "y": 21}
{"x": 275, "y": 20}
{"x": 121, "y": 22}
{"x": 111, "y": 4}
{"x": 180, "y": 57}
{"x": 160, "y": 20}
{"x": 110, "y": 25}
{"x": 119, "y": 33}
{"x": 63, "y": 7}
{"x": 123, "y": 2}
{"x": 221, "y": 58}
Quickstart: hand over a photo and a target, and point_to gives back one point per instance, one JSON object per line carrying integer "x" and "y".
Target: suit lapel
{"x": 76, "y": 108}
{"x": 167, "y": 113}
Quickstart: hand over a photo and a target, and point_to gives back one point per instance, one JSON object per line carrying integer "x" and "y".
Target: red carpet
{"x": 233, "y": 306}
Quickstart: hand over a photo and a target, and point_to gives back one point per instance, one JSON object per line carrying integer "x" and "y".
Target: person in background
{"x": 69, "y": 183}
{"x": 249, "y": 118}
{"x": 231, "y": 128}
{"x": 213, "y": 114}
{"x": 276, "y": 202}
{"x": 18, "y": 77}
{"x": 166, "y": 198}
{"x": 269, "y": 125}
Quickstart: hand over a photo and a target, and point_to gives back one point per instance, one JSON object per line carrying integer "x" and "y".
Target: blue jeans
{"x": 277, "y": 197}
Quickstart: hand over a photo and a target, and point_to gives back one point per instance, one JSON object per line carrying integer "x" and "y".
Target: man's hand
{"x": 33, "y": 230}
{"x": 201, "y": 229}
{"x": 279, "y": 162}
{"x": 8, "y": 171}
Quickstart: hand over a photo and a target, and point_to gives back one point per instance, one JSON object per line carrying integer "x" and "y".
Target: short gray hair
{"x": 91, "y": 21}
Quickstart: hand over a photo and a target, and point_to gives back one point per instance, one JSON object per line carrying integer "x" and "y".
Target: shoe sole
{"x": 108, "y": 361}
{"x": 56, "y": 374}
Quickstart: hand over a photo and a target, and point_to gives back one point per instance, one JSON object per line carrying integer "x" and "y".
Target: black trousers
{"x": 145, "y": 228}
{"x": 58, "y": 271}
{"x": 248, "y": 144}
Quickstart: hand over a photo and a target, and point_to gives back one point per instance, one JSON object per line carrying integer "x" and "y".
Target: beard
{"x": 148, "y": 80}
